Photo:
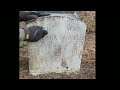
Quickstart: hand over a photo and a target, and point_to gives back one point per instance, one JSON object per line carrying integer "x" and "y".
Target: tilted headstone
{"x": 61, "y": 49}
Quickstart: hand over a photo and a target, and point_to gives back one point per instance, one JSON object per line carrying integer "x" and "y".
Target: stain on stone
{"x": 57, "y": 67}
{"x": 63, "y": 63}
{"x": 57, "y": 51}
{"x": 75, "y": 47}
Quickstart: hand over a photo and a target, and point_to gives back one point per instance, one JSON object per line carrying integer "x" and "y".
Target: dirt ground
{"x": 88, "y": 65}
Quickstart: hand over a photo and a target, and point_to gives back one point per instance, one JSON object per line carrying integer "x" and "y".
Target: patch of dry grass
{"x": 89, "y": 18}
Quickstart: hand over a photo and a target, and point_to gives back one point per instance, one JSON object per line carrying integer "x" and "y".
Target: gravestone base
{"x": 36, "y": 73}
{"x": 60, "y": 50}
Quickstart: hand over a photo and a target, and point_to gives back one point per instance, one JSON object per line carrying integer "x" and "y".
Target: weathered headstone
{"x": 61, "y": 49}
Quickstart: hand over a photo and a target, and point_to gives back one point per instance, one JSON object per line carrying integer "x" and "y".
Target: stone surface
{"x": 60, "y": 50}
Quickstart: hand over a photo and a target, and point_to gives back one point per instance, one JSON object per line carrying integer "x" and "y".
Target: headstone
{"x": 61, "y": 49}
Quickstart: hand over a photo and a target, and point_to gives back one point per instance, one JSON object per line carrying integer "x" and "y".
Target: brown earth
{"x": 88, "y": 65}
